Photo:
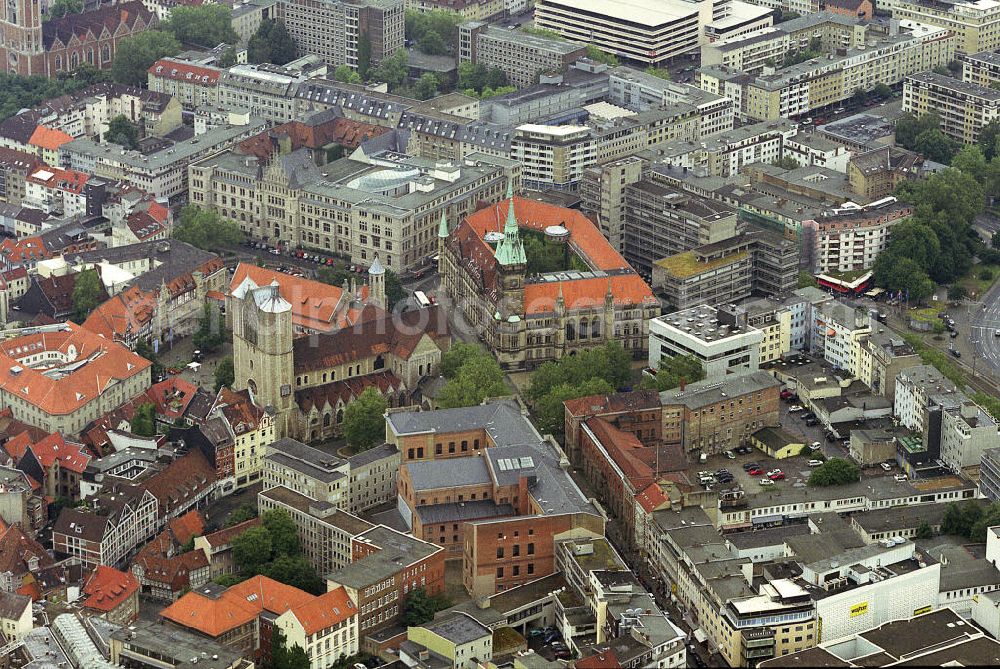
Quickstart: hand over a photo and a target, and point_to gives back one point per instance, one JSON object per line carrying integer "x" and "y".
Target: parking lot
{"x": 796, "y": 470}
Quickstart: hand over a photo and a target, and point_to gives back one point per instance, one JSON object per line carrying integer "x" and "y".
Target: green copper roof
{"x": 443, "y": 227}
{"x": 510, "y": 250}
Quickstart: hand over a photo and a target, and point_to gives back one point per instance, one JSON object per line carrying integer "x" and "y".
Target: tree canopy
{"x": 225, "y": 373}
{"x": 17, "y": 92}
{"x": 673, "y": 370}
{"x": 420, "y": 607}
{"x": 207, "y": 25}
{"x": 909, "y": 127}
{"x": 433, "y": 32}
{"x": 205, "y": 229}
{"x": 609, "y": 362}
{"x": 283, "y": 657}
{"x": 549, "y": 410}
{"x": 271, "y": 44}
{"x": 88, "y": 293}
{"x": 364, "y": 420}
{"x": 835, "y": 471}
{"x": 392, "y": 70}
{"x": 476, "y": 378}
{"x": 273, "y": 550}
{"x": 135, "y": 54}
{"x": 347, "y": 75}
{"x": 143, "y": 423}
{"x": 60, "y": 8}
{"x": 123, "y": 132}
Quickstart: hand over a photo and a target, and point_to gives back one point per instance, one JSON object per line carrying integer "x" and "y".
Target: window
{"x": 499, "y": 572}
{"x": 499, "y": 551}
{"x": 531, "y": 549}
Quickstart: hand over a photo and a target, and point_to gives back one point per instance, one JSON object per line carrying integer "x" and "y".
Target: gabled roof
{"x": 178, "y": 70}
{"x": 172, "y": 396}
{"x": 652, "y": 498}
{"x": 344, "y": 392}
{"x": 187, "y": 527}
{"x": 55, "y": 448}
{"x": 144, "y": 225}
{"x": 181, "y": 481}
{"x": 329, "y": 609}
{"x": 108, "y": 588}
{"x": 124, "y": 315}
{"x": 17, "y": 549}
{"x": 111, "y": 17}
{"x": 49, "y": 138}
{"x": 235, "y": 607}
{"x": 225, "y": 536}
{"x": 315, "y": 305}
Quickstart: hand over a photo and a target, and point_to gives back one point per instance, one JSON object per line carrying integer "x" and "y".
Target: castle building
{"x": 308, "y": 377}
{"x": 30, "y": 47}
{"x": 540, "y": 282}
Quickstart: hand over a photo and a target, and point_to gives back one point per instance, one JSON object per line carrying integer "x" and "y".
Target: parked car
{"x": 766, "y": 482}
{"x": 815, "y": 446}
{"x": 729, "y": 454}
{"x": 955, "y": 352}
{"x": 777, "y": 476}
{"x": 900, "y": 477}
{"x": 785, "y": 394}
{"x": 815, "y": 463}
{"x": 954, "y": 333}
{"x": 810, "y": 422}
{"x": 747, "y": 466}
{"x": 794, "y": 408}
{"x": 756, "y": 471}
{"x": 885, "y": 466}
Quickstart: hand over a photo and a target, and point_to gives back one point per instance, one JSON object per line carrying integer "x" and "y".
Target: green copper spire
{"x": 443, "y": 227}
{"x": 510, "y": 250}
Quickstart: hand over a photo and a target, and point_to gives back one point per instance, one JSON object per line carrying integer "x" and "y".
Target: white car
{"x": 815, "y": 463}
{"x": 900, "y": 477}
{"x": 766, "y": 482}
{"x": 773, "y": 472}
{"x": 815, "y": 445}
{"x": 730, "y": 455}
{"x": 885, "y": 466}
{"x": 794, "y": 408}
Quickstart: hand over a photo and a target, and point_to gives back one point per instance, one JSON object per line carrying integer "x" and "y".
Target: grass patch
{"x": 848, "y": 276}
{"x": 974, "y": 281}
{"x": 925, "y": 315}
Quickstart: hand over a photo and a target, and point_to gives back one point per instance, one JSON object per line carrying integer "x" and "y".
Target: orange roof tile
{"x": 26, "y": 248}
{"x": 187, "y": 527}
{"x": 625, "y": 449}
{"x": 652, "y": 498}
{"x": 101, "y": 364}
{"x": 194, "y": 74}
{"x": 604, "y": 659}
{"x": 122, "y": 316}
{"x": 172, "y": 396}
{"x": 54, "y": 448}
{"x": 225, "y": 536}
{"x": 108, "y": 588}
{"x": 49, "y": 138}
{"x": 70, "y": 181}
{"x": 235, "y": 607}
{"x": 315, "y": 305}
{"x": 16, "y": 446}
{"x": 330, "y": 608}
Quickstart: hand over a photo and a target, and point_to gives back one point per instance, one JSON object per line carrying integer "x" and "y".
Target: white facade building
{"x": 722, "y": 349}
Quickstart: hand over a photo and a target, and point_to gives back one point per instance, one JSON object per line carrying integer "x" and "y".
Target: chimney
{"x": 683, "y": 383}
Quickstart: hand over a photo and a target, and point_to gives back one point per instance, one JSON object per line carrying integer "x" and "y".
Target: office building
{"x": 646, "y": 32}
{"x": 339, "y": 30}
{"x": 520, "y": 55}
{"x": 642, "y": 91}
{"x": 849, "y": 238}
{"x": 602, "y": 194}
{"x": 721, "y": 347}
{"x": 553, "y": 157}
{"x": 981, "y": 68}
{"x": 964, "y": 108}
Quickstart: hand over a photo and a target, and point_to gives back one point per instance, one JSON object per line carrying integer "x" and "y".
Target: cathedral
{"x": 309, "y": 377}
{"x": 31, "y": 47}
{"x": 567, "y": 291}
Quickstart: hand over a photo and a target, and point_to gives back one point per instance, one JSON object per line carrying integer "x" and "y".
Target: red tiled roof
{"x": 343, "y": 131}
{"x": 194, "y": 74}
{"x": 605, "y": 659}
{"x": 331, "y": 608}
{"x": 315, "y": 305}
{"x": 235, "y": 607}
{"x": 225, "y": 536}
{"x": 17, "y": 445}
{"x": 625, "y": 449}
{"x": 346, "y": 391}
{"x": 124, "y": 315}
{"x": 635, "y": 400}
{"x": 55, "y": 448}
{"x": 107, "y": 362}
{"x": 144, "y": 226}
{"x": 652, "y": 498}
{"x": 17, "y": 548}
{"x": 181, "y": 480}
{"x": 239, "y": 410}
{"x": 108, "y": 588}
{"x": 90, "y": 25}
{"x": 172, "y": 396}
{"x": 25, "y": 248}
{"x": 49, "y": 138}
{"x": 187, "y": 527}
{"x": 159, "y": 213}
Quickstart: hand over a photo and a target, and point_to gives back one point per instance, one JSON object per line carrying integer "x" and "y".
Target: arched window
{"x": 379, "y": 362}
{"x": 340, "y": 416}
{"x": 90, "y": 55}
{"x": 74, "y": 60}
{"x": 570, "y": 331}
{"x": 584, "y": 328}
{"x": 106, "y": 53}
{"x": 58, "y": 62}
{"x": 326, "y": 420}
{"x": 595, "y": 328}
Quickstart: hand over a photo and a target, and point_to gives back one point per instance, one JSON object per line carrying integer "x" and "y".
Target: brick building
{"x": 505, "y": 553}
{"x": 33, "y": 47}
{"x": 638, "y": 412}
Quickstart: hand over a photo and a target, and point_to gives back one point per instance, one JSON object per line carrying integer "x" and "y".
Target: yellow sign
{"x": 922, "y": 610}
{"x": 859, "y": 609}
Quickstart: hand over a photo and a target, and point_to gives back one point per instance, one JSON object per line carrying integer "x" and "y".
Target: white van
{"x": 815, "y": 463}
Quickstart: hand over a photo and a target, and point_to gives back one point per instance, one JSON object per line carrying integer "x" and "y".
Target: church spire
{"x": 510, "y": 250}
{"x": 443, "y": 227}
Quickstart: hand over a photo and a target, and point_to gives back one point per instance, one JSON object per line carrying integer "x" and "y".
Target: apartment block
{"x": 876, "y": 174}
{"x": 661, "y": 221}
{"x": 553, "y": 157}
{"x": 975, "y": 23}
{"x": 339, "y": 30}
{"x": 635, "y": 89}
{"x": 981, "y": 68}
{"x": 725, "y": 154}
{"x": 964, "y": 108}
{"x": 850, "y": 238}
{"x": 602, "y": 191}
{"x": 521, "y": 56}
{"x": 194, "y": 85}
{"x": 265, "y": 90}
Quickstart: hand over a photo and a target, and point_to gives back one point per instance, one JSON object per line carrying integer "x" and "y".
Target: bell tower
{"x": 376, "y": 284}
{"x": 21, "y": 30}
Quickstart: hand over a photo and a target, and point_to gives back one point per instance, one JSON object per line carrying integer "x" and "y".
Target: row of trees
{"x": 970, "y": 519}
{"x": 598, "y": 371}
{"x": 479, "y": 81}
{"x": 17, "y": 92}
{"x": 272, "y": 549}
{"x": 937, "y": 244}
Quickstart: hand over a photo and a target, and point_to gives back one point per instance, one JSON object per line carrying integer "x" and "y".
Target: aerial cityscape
{"x": 499, "y": 334}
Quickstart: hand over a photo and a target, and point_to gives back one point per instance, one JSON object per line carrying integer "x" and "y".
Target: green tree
{"x": 88, "y": 293}
{"x": 252, "y": 550}
{"x": 433, "y": 32}
{"x": 426, "y": 86}
{"x": 211, "y": 333}
{"x": 225, "y": 373}
{"x": 295, "y": 571}
{"x": 673, "y": 370}
{"x": 394, "y": 291}
{"x": 228, "y": 580}
{"x": 924, "y": 531}
{"x": 227, "y": 58}
{"x": 364, "y": 420}
{"x": 988, "y": 136}
{"x": 271, "y": 44}
{"x": 478, "y": 378}
{"x": 134, "y": 55}
{"x": 420, "y": 607}
{"x": 909, "y": 127}
{"x": 432, "y": 44}
{"x": 206, "y": 25}
{"x": 835, "y": 471}
{"x": 284, "y": 535}
{"x": 392, "y": 70}
{"x": 807, "y": 280}
{"x": 347, "y": 75}
{"x": 206, "y": 230}
{"x": 456, "y": 356}
{"x": 122, "y": 131}
{"x": 283, "y": 657}
{"x": 971, "y": 160}
{"x": 144, "y": 350}
{"x": 786, "y": 163}
{"x": 143, "y": 423}
{"x": 936, "y": 146}
{"x": 598, "y": 56}
{"x": 955, "y": 67}
{"x": 60, "y": 8}
{"x": 609, "y": 362}
{"x": 882, "y": 91}
{"x": 549, "y": 411}
{"x": 961, "y": 519}
{"x": 17, "y": 92}
{"x": 241, "y": 514}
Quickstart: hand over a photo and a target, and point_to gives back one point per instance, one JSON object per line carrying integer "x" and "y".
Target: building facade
{"x": 964, "y": 108}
